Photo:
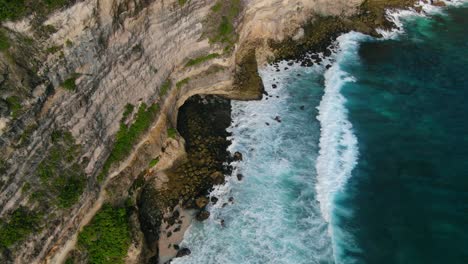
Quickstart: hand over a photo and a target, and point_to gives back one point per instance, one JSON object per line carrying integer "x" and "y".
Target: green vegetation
{"x": 28, "y": 131}
{"x": 53, "y": 49}
{"x": 70, "y": 83}
{"x": 68, "y": 43}
{"x": 128, "y": 110}
{"x": 107, "y": 238}
{"x": 127, "y": 136}
{"x": 171, "y": 132}
{"x": 217, "y": 7}
{"x": 4, "y": 41}
{"x": 201, "y": 59}
{"x": 14, "y": 104}
{"x": 153, "y": 162}
{"x": 16, "y": 9}
{"x": 182, "y": 2}
{"x": 220, "y": 23}
{"x": 59, "y": 175}
{"x": 20, "y": 225}
{"x": 3, "y": 166}
{"x": 181, "y": 83}
{"x": 165, "y": 88}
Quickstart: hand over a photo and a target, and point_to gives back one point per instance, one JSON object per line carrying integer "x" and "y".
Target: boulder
{"x": 201, "y": 202}
{"x": 217, "y": 177}
{"x": 202, "y": 215}
{"x": 183, "y": 252}
{"x": 240, "y": 177}
{"x": 237, "y": 156}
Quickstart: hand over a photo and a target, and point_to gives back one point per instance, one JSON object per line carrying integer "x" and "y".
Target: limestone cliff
{"x": 72, "y": 79}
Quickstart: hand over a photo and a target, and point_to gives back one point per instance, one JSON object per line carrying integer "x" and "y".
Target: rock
{"x": 183, "y": 252}
{"x": 278, "y": 119}
{"x": 237, "y": 156}
{"x": 169, "y": 234}
{"x": 240, "y": 177}
{"x": 302, "y": 107}
{"x": 266, "y": 123}
{"x": 274, "y": 86}
{"x": 176, "y": 247}
{"x": 438, "y": 3}
{"x": 217, "y": 177}
{"x": 222, "y": 223}
{"x": 328, "y": 66}
{"x": 214, "y": 200}
{"x": 202, "y": 215}
{"x": 201, "y": 202}
{"x": 231, "y": 199}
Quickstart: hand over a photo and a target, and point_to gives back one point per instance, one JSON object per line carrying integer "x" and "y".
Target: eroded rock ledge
{"x": 86, "y": 71}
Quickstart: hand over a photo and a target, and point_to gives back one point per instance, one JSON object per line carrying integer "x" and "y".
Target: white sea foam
{"x": 398, "y": 16}
{"x": 338, "y": 153}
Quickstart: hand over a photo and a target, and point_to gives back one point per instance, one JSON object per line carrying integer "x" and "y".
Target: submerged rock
{"x": 203, "y": 215}
{"x": 237, "y": 156}
{"x": 183, "y": 252}
{"x": 240, "y": 177}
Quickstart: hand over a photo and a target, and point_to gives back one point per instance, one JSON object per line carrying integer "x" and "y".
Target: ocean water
{"x": 407, "y": 199}
{"x": 366, "y": 162}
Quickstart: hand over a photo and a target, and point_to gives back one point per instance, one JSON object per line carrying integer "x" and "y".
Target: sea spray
{"x": 273, "y": 216}
{"x": 338, "y": 153}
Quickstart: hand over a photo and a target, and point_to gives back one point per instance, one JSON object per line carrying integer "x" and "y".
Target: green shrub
{"x": 182, "y": 2}
{"x": 165, "y": 88}
{"x": 220, "y": 23}
{"x": 128, "y": 110}
{"x": 62, "y": 177}
{"x": 128, "y": 136}
{"x": 4, "y": 41}
{"x": 201, "y": 59}
{"x": 14, "y": 104}
{"x": 181, "y": 83}
{"x": 107, "y": 238}
{"x": 217, "y": 7}
{"x": 53, "y": 49}
{"x": 16, "y": 9}
{"x": 70, "y": 83}
{"x": 153, "y": 162}
{"x": 68, "y": 43}
{"x": 171, "y": 132}
{"x": 20, "y": 225}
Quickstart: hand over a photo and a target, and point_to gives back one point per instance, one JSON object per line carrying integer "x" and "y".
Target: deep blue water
{"x": 409, "y": 109}
{"x": 369, "y": 163}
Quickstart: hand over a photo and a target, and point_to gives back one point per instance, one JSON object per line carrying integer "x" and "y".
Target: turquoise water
{"x": 409, "y": 190}
{"x": 368, "y": 164}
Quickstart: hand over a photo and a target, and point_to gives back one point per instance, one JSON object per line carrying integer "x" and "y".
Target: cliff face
{"x": 83, "y": 66}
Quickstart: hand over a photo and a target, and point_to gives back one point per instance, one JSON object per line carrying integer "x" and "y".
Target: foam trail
{"x": 338, "y": 153}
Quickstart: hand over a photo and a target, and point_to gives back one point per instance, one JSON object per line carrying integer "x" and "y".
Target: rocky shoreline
{"x": 183, "y": 195}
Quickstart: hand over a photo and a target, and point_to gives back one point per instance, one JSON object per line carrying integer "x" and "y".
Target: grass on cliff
{"x": 70, "y": 83}
{"x": 165, "y": 88}
{"x": 127, "y": 136}
{"x": 201, "y": 59}
{"x": 182, "y": 82}
{"x": 19, "y": 226}
{"x": 17, "y": 9}
{"x": 107, "y": 238}
{"x": 62, "y": 179}
{"x": 14, "y": 104}
{"x": 4, "y": 41}
{"x": 219, "y": 25}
